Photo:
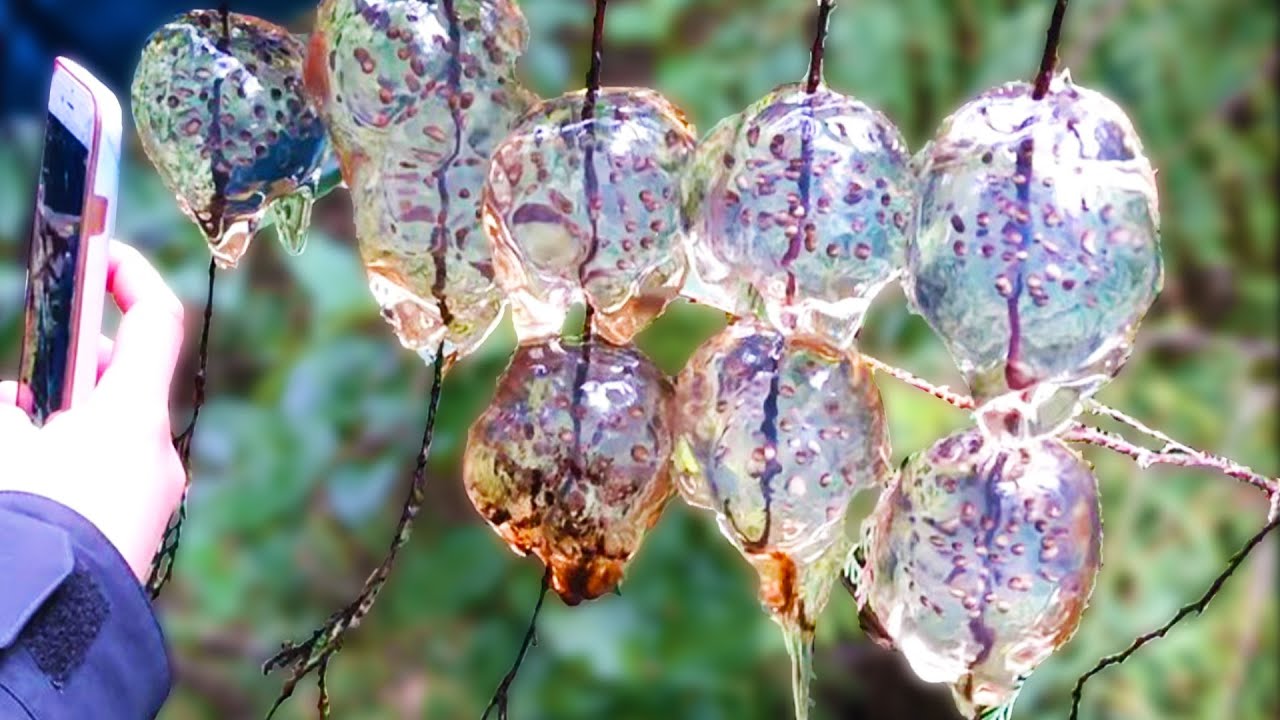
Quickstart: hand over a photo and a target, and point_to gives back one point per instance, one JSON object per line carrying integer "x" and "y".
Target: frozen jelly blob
{"x": 416, "y": 95}
{"x": 803, "y": 200}
{"x": 230, "y": 130}
{"x": 980, "y": 560}
{"x": 776, "y": 434}
{"x": 1037, "y": 251}
{"x": 570, "y": 460}
{"x": 588, "y": 210}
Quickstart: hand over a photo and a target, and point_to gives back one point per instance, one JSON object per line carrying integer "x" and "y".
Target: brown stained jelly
{"x": 576, "y": 485}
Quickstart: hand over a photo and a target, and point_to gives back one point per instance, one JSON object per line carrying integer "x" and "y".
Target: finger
{"x": 8, "y": 393}
{"x": 13, "y": 394}
{"x": 131, "y": 279}
{"x": 106, "y": 347}
{"x": 149, "y": 336}
{"x": 14, "y": 424}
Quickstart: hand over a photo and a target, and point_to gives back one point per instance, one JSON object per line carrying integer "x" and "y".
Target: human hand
{"x": 111, "y": 458}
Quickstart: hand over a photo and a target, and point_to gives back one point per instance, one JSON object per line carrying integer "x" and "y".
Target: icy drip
{"x": 292, "y": 216}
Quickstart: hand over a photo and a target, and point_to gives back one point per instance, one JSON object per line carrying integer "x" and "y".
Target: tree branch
{"x": 313, "y": 654}
{"x": 1173, "y": 452}
{"x": 1196, "y": 607}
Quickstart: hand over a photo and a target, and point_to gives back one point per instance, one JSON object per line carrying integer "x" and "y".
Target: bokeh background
{"x": 310, "y": 434}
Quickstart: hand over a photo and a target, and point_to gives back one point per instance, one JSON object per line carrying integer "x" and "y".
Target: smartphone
{"x": 70, "y": 230}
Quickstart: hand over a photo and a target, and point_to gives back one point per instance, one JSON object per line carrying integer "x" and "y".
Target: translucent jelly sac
{"x": 230, "y": 133}
{"x": 415, "y": 96}
{"x": 588, "y": 210}
{"x": 980, "y": 561}
{"x": 776, "y": 434}
{"x": 1036, "y": 252}
{"x": 570, "y": 460}
{"x": 803, "y": 200}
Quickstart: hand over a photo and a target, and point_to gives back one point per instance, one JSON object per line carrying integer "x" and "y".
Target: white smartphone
{"x": 72, "y": 225}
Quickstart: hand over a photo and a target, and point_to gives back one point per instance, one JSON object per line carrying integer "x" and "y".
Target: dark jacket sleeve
{"x": 77, "y": 635}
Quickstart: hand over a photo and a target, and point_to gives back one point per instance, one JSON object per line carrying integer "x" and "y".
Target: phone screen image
{"x": 51, "y": 272}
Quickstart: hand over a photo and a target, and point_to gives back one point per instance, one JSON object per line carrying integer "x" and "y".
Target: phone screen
{"x": 51, "y": 271}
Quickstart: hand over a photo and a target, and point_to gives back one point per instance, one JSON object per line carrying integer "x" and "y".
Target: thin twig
{"x": 592, "y": 202}
{"x": 1196, "y": 607}
{"x": 165, "y": 556}
{"x": 590, "y": 183}
{"x": 1174, "y": 452}
{"x": 1049, "y": 61}
{"x": 314, "y": 653}
{"x": 942, "y": 392}
{"x": 501, "y": 697}
{"x": 819, "y": 45}
{"x": 597, "y": 56}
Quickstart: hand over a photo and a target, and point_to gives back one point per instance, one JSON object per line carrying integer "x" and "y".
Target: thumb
{"x": 149, "y": 337}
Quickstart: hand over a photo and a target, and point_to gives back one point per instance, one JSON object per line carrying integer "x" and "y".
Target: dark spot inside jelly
{"x": 535, "y": 213}
{"x": 1111, "y": 142}
{"x": 957, "y": 223}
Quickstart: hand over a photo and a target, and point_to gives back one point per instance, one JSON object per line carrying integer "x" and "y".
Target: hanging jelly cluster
{"x": 800, "y": 206}
{"x": 218, "y": 102}
{"x": 1035, "y": 256}
{"x": 571, "y": 460}
{"x": 1025, "y": 233}
{"x": 416, "y": 95}
{"x": 219, "y": 106}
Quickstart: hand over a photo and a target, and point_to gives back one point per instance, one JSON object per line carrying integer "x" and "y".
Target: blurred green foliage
{"x": 315, "y": 412}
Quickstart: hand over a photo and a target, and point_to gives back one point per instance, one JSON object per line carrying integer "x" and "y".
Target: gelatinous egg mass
{"x": 776, "y": 434}
{"x": 570, "y": 460}
{"x": 980, "y": 561}
{"x": 784, "y": 430}
{"x": 803, "y": 200}
{"x": 230, "y": 132}
{"x": 416, "y": 95}
{"x": 1037, "y": 249}
{"x": 589, "y": 210}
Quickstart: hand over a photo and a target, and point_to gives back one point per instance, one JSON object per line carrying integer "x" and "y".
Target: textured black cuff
{"x": 85, "y": 644}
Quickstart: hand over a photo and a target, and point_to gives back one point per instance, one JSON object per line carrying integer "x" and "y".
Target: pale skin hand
{"x": 111, "y": 458}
